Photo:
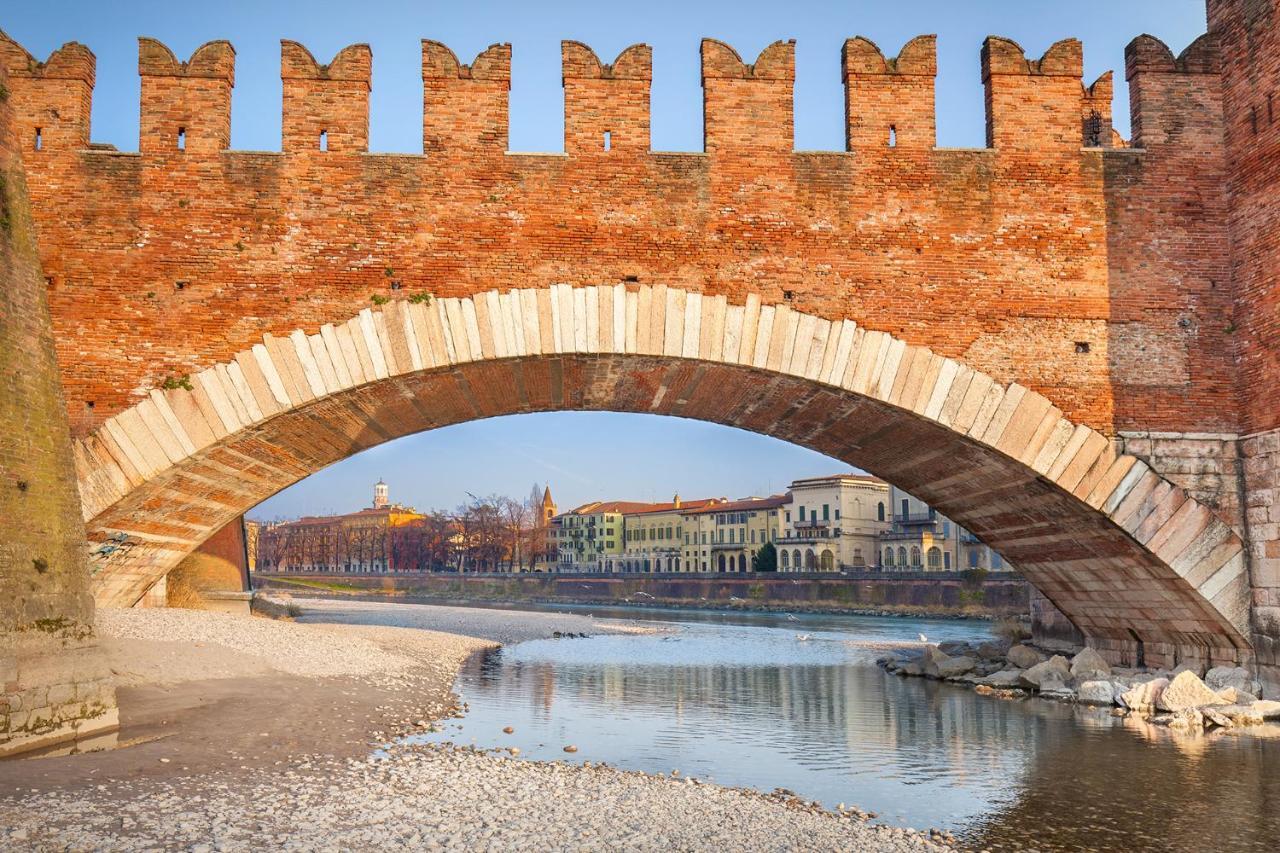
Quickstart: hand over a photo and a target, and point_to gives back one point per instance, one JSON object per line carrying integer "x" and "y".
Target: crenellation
{"x": 748, "y": 109}
{"x": 890, "y": 102}
{"x": 1174, "y": 100}
{"x": 465, "y": 106}
{"x": 606, "y": 107}
{"x": 186, "y": 106}
{"x": 51, "y": 100}
{"x": 1095, "y": 114}
{"x": 1032, "y": 104}
{"x": 326, "y": 107}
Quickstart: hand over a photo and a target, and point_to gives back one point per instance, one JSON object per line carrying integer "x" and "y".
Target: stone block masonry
{"x": 53, "y": 683}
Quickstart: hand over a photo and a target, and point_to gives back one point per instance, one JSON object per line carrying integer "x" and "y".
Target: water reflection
{"x": 752, "y": 705}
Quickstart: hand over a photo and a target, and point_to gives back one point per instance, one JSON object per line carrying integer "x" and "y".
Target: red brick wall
{"x": 1012, "y": 259}
{"x": 1248, "y": 32}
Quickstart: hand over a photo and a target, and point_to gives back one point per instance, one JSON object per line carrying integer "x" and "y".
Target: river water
{"x": 767, "y": 701}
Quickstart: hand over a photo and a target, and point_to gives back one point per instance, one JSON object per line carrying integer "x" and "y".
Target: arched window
{"x": 888, "y": 557}
{"x": 810, "y": 560}
{"x": 880, "y": 514}
{"x": 795, "y": 560}
{"x": 722, "y": 562}
{"x": 786, "y": 559}
{"x": 935, "y": 559}
{"x": 828, "y": 560}
{"x": 902, "y": 557}
{"x": 915, "y": 557}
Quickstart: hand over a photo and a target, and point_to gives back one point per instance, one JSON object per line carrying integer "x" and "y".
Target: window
{"x": 935, "y": 558}
{"x": 893, "y": 136}
{"x": 973, "y": 559}
{"x": 788, "y": 516}
{"x": 786, "y": 561}
{"x": 880, "y": 512}
{"x": 946, "y": 561}
{"x": 608, "y": 140}
{"x": 915, "y": 556}
{"x": 837, "y": 513}
{"x": 906, "y": 507}
{"x": 996, "y": 561}
{"x": 182, "y": 139}
{"x": 902, "y": 557}
{"x": 753, "y": 536}
{"x": 826, "y": 512}
{"x": 857, "y": 557}
{"x": 39, "y": 138}
{"x": 324, "y": 140}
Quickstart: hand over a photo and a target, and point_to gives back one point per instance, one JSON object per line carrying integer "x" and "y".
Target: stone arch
{"x": 1099, "y": 532}
{"x": 827, "y": 562}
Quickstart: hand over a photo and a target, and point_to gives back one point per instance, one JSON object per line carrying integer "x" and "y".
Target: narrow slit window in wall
{"x": 182, "y": 139}
{"x": 39, "y": 138}
{"x": 893, "y": 136}
{"x": 324, "y": 140}
{"x": 608, "y": 140}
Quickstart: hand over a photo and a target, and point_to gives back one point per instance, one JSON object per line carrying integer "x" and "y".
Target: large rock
{"x": 1097, "y": 693}
{"x": 1232, "y": 696}
{"x": 1250, "y": 713}
{"x": 1268, "y": 708}
{"x": 953, "y": 647}
{"x": 1023, "y": 657}
{"x": 1143, "y": 697}
{"x": 954, "y": 667}
{"x": 1088, "y": 665}
{"x": 932, "y": 657}
{"x": 1222, "y": 677}
{"x": 1004, "y": 678}
{"x": 993, "y": 650}
{"x": 1053, "y": 673}
{"x": 1187, "y": 691}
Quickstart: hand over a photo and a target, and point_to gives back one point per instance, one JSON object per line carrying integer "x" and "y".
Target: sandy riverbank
{"x": 244, "y": 732}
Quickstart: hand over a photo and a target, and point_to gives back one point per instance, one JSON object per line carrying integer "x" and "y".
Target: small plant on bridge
{"x": 379, "y": 299}
{"x": 172, "y": 383}
{"x": 422, "y": 298}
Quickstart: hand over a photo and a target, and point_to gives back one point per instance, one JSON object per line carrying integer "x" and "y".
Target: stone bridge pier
{"x": 1065, "y": 340}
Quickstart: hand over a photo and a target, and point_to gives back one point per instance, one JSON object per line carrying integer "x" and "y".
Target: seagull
{"x": 804, "y": 638}
{"x": 923, "y": 638}
{"x": 792, "y": 618}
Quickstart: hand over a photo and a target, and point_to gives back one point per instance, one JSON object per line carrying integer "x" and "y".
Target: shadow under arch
{"x": 1125, "y": 554}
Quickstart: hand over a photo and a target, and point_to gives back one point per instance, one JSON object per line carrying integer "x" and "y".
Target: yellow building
{"x": 654, "y": 537}
{"x": 589, "y": 538}
{"x": 833, "y": 523}
{"x": 725, "y": 536}
{"x": 922, "y": 540}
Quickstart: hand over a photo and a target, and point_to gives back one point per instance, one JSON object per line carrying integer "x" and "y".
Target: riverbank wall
{"x": 920, "y": 594}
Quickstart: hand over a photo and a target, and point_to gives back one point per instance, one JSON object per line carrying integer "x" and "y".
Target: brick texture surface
{"x": 991, "y": 319}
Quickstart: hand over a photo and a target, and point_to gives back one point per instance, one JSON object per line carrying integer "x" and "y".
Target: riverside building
{"x": 920, "y": 539}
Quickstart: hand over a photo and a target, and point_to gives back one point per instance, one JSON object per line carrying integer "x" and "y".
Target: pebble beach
{"x": 224, "y": 757}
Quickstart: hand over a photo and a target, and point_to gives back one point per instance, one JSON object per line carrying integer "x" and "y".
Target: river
{"x": 769, "y": 700}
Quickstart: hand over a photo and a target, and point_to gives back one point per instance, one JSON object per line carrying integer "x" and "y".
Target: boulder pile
{"x": 1225, "y": 697}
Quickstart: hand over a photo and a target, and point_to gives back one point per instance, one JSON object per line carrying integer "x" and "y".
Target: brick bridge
{"x": 1066, "y": 341}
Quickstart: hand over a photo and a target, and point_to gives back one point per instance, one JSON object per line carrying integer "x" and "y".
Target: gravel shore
{"x": 434, "y": 798}
{"x": 297, "y": 757}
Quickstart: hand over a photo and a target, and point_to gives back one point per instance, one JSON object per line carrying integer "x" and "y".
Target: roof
{"x": 835, "y": 478}
{"x": 634, "y": 507}
{"x": 771, "y": 502}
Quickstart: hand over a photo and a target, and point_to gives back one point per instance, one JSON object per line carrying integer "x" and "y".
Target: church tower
{"x": 381, "y": 497}
{"x": 548, "y": 507}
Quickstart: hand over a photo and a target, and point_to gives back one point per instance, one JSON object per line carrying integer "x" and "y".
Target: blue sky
{"x": 578, "y": 453}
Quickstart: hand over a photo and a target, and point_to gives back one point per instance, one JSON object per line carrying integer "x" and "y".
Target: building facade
{"x": 832, "y": 523}
{"x": 919, "y": 539}
{"x": 375, "y": 540}
{"x": 726, "y": 536}
{"x": 654, "y": 537}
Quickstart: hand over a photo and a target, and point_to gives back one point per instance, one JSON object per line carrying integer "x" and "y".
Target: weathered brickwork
{"x": 52, "y": 681}
{"x": 992, "y": 329}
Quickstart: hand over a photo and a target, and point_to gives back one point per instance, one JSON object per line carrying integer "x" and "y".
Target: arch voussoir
{"x": 1122, "y": 551}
